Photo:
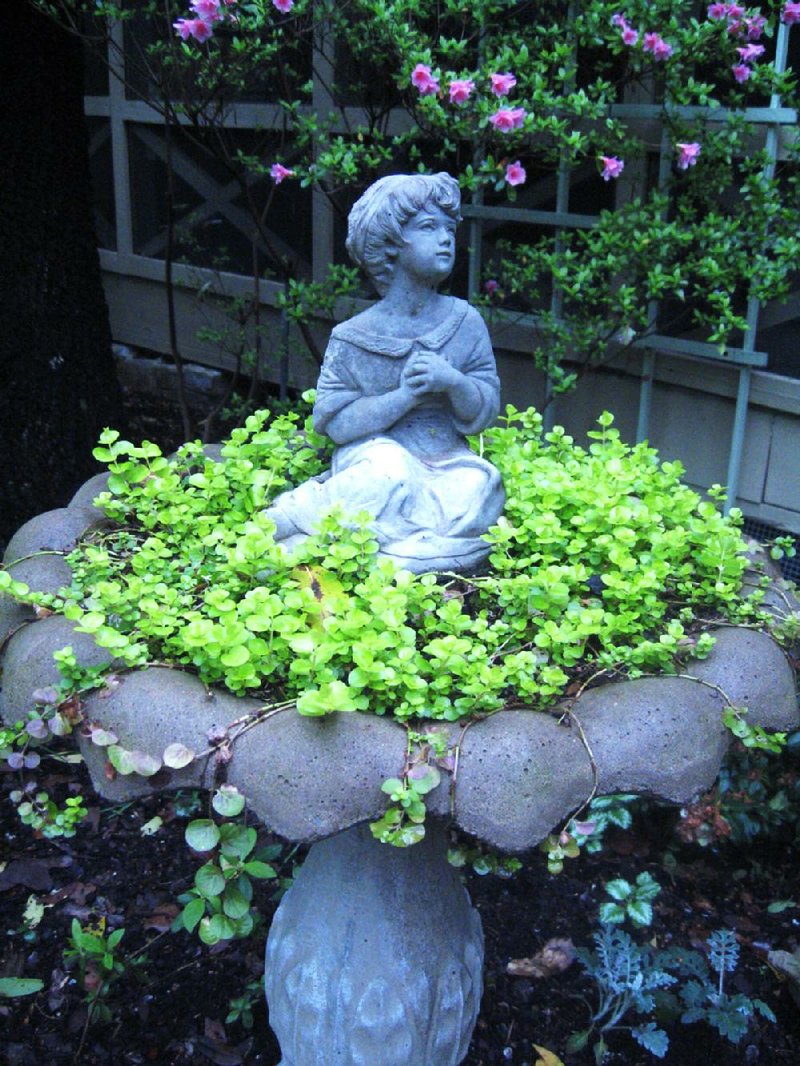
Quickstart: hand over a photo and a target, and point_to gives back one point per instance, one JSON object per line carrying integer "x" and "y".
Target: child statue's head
{"x": 375, "y": 225}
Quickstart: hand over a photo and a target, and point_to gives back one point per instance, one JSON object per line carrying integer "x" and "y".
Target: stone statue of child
{"x": 401, "y": 385}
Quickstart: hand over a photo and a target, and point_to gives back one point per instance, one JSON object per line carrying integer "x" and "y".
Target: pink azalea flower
{"x": 284, "y": 6}
{"x": 197, "y": 28}
{"x": 502, "y": 84}
{"x": 655, "y": 43}
{"x": 755, "y": 26}
{"x": 741, "y": 72}
{"x": 629, "y": 35}
{"x": 460, "y": 91}
{"x": 278, "y": 172}
{"x": 612, "y": 167}
{"x": 618, "y": 20}
{"x": 688, "y": 154}
{"x": 515, "y": 173}
{"x": 750, "y": 52}
{"x": 791, "y": 13}
{"x": 423, "y": 79}
{"x": 662, "y": 50}
{"x": 718, "y": 11}
{"x": 735, "y": 11}
{"x": 491, "y": 286}
{"x": 207, "y": 10}
{"x": 507, "y": 118}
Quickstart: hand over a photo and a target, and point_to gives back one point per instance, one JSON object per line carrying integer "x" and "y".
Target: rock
{"x": 309, "y": 777}
{"x": 662, "y": 736}
{"x": 42, "y": 573}
{"x": 84, "y": 497}
{"x": 28, "y": 662}
{"x": 519, "y": 774}
{"x": 753, "y": 672}
{"x": 58, "y": 530}
{"x": 150, "y": 709}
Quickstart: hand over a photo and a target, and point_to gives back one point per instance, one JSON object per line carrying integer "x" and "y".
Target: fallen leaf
{"x": 151, "y": 827}
{"x": 547, "y": 1058}
{"x": 162, "y": 917}
{"x": 787, "y": 965}
{"x": 33, "y": 913}
{"x": 556, "y": 956}
{"x": 30, "y": 873}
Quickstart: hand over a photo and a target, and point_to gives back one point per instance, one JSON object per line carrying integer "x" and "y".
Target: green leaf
{"x": 260, "y": 870}
{"x": 640, "y": 912}
{"x": 202, "y": 834}
{"x": 619, "y": 889}
{"x": 237, "y": 840}
{"x": 192, "y": 913}
{"x": 209, "y": 880}
{"x": 228, "y": 801}
{"x": 233, "y": 902}
{"x": 13, "y": 987}
{"x": 236, "y": 656}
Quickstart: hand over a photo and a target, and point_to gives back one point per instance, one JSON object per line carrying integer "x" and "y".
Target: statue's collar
{"x": 398, "y": 347}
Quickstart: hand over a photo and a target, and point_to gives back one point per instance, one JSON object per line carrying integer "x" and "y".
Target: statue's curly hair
{"x": 374, "y": 229}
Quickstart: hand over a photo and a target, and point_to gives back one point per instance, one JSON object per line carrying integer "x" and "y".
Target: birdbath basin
{"x": 375, "y": 953}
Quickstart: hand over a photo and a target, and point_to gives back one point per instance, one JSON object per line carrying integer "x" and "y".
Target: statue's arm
{"x": 476, "y": 398}
{"x": 344, "y": 412}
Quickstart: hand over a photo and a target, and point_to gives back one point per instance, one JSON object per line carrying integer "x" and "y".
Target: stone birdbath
{"x": 375, "y": 954}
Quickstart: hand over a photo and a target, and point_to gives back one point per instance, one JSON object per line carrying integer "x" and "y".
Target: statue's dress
{"x": 431, "y": 496}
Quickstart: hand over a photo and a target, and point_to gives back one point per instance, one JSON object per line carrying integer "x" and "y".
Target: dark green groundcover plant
{"x": 604, "y": 563}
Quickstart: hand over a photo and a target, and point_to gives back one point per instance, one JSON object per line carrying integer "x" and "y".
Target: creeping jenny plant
{"x": 603, "y": 561}
{"x": 604, "y": 564}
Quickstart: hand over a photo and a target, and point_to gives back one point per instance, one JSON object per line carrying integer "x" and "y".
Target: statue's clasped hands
{"x": 427, "y": 371}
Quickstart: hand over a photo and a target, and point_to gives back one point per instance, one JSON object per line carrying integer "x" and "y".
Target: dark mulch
{"x": 176, "y": 1014}
{"x": 110, "y": 871}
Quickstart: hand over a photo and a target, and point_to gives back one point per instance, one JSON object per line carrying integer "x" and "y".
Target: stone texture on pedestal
{"x": 374, "y": 957}
{"x": 84, "y": 497}
{"x": 57, "y": 530}
{"x": 310, "y": 777}
{"x": 519, "y": 774}
{"x": 28, "y": 662}
{"x": 661, "y": 736}
{"x": 753, "y": 672}
{"x": 150, "y": 709}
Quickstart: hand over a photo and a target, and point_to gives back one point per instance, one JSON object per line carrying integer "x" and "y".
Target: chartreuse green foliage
{"x": 603, "y": 561}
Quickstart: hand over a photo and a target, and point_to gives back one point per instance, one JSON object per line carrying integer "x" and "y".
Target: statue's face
{"x": 429, "y": 246}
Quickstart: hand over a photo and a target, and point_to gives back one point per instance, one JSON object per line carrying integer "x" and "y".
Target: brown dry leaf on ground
{"x": 556, "y": 956}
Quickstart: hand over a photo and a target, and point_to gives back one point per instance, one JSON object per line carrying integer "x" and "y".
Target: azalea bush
{"x": 501, "y": 94}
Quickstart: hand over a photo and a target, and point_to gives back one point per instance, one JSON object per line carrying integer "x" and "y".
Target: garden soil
{"x": 124, "y": 871}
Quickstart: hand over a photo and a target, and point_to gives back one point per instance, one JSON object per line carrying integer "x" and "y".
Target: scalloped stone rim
{"x": 519, "y": 772}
